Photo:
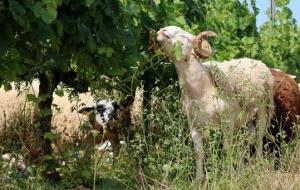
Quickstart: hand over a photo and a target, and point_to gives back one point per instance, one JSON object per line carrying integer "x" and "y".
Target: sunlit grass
{"x": 167, "y": 163}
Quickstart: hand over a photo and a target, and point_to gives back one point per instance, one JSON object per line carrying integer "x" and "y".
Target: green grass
{"x": 168, "y": 162}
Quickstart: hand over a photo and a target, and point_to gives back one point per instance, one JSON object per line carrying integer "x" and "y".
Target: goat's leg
{"x": 198, "y": 146}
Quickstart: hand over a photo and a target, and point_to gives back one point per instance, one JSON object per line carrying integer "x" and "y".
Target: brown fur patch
{"x": 287, "y": 104}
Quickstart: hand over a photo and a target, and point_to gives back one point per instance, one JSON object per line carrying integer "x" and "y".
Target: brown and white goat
{"x": 111, "y": 119}
{"x": 116, "y": 121}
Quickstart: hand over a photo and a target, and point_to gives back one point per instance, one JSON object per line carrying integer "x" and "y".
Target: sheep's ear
{"x": 86, "y": 110}
{"x": 201, "y": 46}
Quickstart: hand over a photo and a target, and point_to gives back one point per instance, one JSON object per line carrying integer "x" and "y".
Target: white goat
{"x": 216, "y": 89}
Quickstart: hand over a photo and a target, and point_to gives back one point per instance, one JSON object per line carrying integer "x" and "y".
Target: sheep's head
{"x": 175, "y": 42}
{"x": 103, "y": 111}
{"x": 171, "y": 37}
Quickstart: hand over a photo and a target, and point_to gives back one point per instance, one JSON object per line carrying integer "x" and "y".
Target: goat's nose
{"x": 160, "y": 36}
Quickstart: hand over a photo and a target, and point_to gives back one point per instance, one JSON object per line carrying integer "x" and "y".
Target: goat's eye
{"x": 100, "y": 108}
{"x": 166, "y": 35}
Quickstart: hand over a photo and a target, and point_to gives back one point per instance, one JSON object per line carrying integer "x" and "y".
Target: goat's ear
{"x": 201, "y": 46}
{"x": 86, "y": 110}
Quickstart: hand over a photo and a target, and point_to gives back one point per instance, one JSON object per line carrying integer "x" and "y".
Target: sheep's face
{"x": 175, "y": 42}
{"x": 179, "y": 45}
{"x": 103, "y": 111}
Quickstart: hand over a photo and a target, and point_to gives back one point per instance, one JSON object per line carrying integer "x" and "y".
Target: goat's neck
{"x": 195, "y": 79}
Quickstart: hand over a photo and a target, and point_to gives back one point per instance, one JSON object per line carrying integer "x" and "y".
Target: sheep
{"x": 217, "y": 88}
{"x": 287, "y": 109}
{"x": 113, "y": 118}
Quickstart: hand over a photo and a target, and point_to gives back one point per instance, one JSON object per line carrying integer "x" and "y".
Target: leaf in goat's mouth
{"x": 177, "y": 50}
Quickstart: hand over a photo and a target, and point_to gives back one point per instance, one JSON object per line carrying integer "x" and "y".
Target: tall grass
{"x": 167, "y": 163}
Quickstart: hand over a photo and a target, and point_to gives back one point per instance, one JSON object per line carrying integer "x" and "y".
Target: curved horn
{"x": 201, "y": 46}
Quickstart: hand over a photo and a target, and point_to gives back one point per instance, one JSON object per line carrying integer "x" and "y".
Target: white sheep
{"x": 216, "y": 89}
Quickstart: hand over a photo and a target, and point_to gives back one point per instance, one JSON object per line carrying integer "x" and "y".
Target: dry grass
{"x": 168, "y": 160}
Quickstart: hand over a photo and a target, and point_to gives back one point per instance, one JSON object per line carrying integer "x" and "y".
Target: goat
{"x": 112, "y": 119}
{"x": 214, "y": 89}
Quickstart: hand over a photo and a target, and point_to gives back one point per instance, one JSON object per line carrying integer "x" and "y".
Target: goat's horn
{"x": 201, "y": 46}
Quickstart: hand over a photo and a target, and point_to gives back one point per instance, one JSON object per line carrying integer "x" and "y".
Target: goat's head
{"x": 102, "y": 112}
{"x": 171, "y": 37}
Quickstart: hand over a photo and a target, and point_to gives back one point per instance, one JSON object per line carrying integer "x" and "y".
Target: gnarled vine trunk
{"x": 46, "y": 89}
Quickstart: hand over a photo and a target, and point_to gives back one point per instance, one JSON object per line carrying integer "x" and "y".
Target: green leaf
{"x": 51, "y": 5}
{"x": 85, "y": 173}
{"x": 117, "y": 71}
{"x": 108, "y": 51}
{"x": 49, "y": 15}
{"x": 46, "y": 112}
{"x": 37, "y": 9}
{"x": 157, "y": 2}
{"x": 281, "y": 3}
{"x": 181, "y": 20}
{"x": 47, "y": 157}
{"x": 6, "y": 38}
{"x": 88, "y": 3}
{"x": 18, "y": 12}
{"x": 51, "y": 136}
{"x": 133, "y": 9}
{"x": 83, "y": 32}
{"x": 287, "y": 13}
{"x": 32, "y": 98}
{"x": 92, "y": 44}
{"x": 178, "y": 51}
{"x": 7, "y": 86}
{"x": 48, "y": 135}
{"x": 59, "y": 92}
{"x": 129, "y": 38}
{"x": 60, "y": 28}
